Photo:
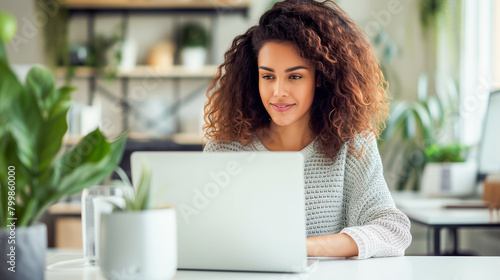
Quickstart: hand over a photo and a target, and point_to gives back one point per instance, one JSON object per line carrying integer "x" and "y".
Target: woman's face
{"x": 286, "y": 84}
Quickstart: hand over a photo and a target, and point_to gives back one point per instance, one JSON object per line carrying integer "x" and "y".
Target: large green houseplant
{"x": 33, "y": 173}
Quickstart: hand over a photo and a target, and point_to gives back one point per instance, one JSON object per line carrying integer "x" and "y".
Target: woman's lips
{"x": 282, "y": 107}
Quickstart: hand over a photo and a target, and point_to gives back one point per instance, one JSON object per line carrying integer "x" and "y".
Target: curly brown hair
{"x": 352, "y": 97}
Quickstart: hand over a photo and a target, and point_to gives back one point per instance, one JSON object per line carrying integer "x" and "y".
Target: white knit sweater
{"x": 346, "y": 195}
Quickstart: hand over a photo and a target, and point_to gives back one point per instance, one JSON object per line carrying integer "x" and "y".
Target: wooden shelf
{"x": 146, "y": 4}
{"x": 94, "y": 9}
{"x": 177, "y": 138}
{"x": 144, "y": 71}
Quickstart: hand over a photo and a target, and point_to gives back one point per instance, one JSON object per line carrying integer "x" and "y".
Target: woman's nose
{"x": 280, "y": 89}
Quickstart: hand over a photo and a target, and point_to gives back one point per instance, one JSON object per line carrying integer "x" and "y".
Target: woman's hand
{"x": 333, "y": 245}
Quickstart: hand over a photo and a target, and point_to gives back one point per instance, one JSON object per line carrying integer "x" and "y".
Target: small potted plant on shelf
{"x": 447, "y": 173}
{"x": 194, "y": 40}
{"x": 33, "y": 172}
{"x": 137, "y": 241}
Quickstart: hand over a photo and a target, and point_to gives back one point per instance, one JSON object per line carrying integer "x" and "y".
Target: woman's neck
{"x": 276, "y": 138}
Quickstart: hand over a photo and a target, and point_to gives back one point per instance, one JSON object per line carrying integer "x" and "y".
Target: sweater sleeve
{"x": 373, "y": 221}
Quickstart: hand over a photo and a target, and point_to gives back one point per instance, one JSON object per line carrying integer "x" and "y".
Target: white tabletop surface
{"x": 400, "y": 268}
{"x": 432, "y": 211}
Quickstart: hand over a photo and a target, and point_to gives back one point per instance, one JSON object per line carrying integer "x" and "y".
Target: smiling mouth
{"x": 282, "y": 107}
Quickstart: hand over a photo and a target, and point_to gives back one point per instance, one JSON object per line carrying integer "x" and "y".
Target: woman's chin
{"x": 281, "y": 122}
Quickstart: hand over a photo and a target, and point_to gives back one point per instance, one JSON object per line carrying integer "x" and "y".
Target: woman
{"x": 306, "y": 79}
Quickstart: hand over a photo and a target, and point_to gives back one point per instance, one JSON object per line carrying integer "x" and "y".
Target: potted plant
{"x": 138, "y": 242}
{"x": 447, "y": 173}
{"x": 193, "y": 46}
{"x": 105, "y": 52}
{"x": 412, "y": 127}
{"x": 33, "y": 173}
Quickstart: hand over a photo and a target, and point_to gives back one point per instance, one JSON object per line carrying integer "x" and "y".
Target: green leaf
{"x": 397, "y": 119}
{"x": 29, "y": 213}
{"x": 50, "y": 145}
{"x": 40, "y": 82}
{"x": 86, "y": 174}
{"x": 8, "y": 157}
{"x": 5, "y": 162}
{"x": 26, "y": 124}
{"x": 10, "y": 88}
{"x": 62, "y": 104}
{"x": 54, "y": 127}
{"x": 94, "y": 168}
{"x": 3, "y": 53}
{"x": 424, "y": 121}
{"x": 143, "y": 198}
{"x": 445, "y": 153}
{"x": 435, "y": 110}
{"x": 410, "y": 131}
{"x": 92, "y": 148}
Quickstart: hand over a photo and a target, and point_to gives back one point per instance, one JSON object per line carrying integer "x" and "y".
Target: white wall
{"x": 496, "y": 46}
{"x": 400, "y": 18}
{"x": 27, "y": 46}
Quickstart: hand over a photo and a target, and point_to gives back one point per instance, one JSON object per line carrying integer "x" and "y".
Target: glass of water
{"x": 95, "y": 201}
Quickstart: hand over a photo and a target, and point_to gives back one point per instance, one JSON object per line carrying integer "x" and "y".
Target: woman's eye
{"x": 294, "y": 77}
{"x": 267, "y": 77}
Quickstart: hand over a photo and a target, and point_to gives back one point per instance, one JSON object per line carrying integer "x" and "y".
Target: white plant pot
{"x": 448, "y": 179}
{"x": 139, "y": 245}
{"x": 129, "y": 53}
{"x": 194, "y": 58}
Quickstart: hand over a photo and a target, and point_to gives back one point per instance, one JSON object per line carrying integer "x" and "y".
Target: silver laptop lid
{"x": 236, "y": 211}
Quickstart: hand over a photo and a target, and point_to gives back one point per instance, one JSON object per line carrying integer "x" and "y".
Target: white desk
{"x": 432, "y": 212}
{"x": 401, "y": 268}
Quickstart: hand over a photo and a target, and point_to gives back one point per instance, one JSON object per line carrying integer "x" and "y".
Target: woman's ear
{"x": 318, "y": 81}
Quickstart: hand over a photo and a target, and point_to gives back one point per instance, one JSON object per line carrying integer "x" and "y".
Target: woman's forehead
{"x": 281, "y": 55}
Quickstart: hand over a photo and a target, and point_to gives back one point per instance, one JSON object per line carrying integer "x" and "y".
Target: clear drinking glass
{"x": 95, "y": 201}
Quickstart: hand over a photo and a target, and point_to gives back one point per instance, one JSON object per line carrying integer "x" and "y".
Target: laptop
{"x": 239, "y": 211}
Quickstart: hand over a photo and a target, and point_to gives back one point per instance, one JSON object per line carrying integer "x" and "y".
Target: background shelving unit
{"x": 124, "y": 8}
{"x": 89, "y": 9}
